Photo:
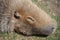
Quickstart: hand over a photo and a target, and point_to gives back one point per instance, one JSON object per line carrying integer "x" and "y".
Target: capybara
{"x": 23, "y": 16}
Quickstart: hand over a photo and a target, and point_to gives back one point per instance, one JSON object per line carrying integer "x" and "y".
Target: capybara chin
{"x": 23, "y": 16}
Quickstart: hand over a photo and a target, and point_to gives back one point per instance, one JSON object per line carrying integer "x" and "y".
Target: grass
{"x": 15, "y": 36}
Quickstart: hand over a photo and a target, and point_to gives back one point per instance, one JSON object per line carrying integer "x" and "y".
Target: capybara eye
{"x": 30, "y": 19}
{"x": 16, "y": 15}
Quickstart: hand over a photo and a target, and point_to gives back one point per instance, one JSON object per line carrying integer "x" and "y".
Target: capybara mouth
{"x": 38, "y": 35}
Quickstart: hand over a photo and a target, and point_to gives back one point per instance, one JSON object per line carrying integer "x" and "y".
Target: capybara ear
{"x": 17, "y": 15}
{"x": 30, "y": 20}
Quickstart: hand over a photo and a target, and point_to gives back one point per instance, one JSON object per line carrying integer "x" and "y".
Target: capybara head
{"x": 32, "y": 20}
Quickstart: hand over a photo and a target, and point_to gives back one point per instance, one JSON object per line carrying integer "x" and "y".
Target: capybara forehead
{"x": 38, "y": 14}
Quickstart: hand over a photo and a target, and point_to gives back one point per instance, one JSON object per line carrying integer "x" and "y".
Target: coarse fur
{"x": 25, "y": 17}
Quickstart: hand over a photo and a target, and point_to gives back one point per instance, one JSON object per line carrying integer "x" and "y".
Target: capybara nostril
{"x": 52, "y": 28}
{"x": 49, "y": 29}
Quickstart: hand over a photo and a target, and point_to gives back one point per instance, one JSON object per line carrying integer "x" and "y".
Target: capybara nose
{"x": 49, "y": 30}
{"x": 52, "y": 28}
{"x": 45, "y": 32}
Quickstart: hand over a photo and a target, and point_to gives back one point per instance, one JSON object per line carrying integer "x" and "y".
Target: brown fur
{"x": 33, "y": 19}
{"x": 29, "y": 19}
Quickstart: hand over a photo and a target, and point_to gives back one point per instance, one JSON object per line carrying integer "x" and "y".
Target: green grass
{"x": 15, "y": 36}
